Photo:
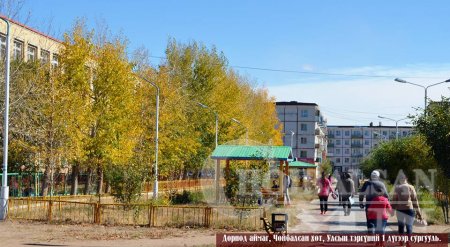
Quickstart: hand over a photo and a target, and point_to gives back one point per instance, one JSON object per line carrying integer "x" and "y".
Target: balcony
{"x": 357, "y": 136}
{"x": 357, "y": 155}
{"x": 356, "y": 145}
{"x": 317, "y": 132}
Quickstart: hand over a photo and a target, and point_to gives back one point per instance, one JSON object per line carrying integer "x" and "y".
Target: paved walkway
{"x": 335, "y": 222}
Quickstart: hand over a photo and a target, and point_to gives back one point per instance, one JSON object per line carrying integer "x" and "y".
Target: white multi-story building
{"x": 304, "y": 129}
{"x": 348, "y": 145}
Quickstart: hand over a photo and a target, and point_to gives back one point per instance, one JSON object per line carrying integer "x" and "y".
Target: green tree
{"x": 405, "y": 154}
{"x": 435, "y": 126}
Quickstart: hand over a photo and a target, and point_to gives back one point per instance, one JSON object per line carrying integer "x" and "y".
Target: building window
{"x": 330, "y": 132}
{"x": 366, "y": 133}
{"x": 303, "y": 127}
{"x": 2, "y": 46}
{"x": 347, "y": 133}
{"x": 303, "y": 140}
{"x": 45, "y": 56}
{"x": 347, "y": 160}
{"x": 338, "y": 142}
{"x": 338, "y": 160}
{"x": 55, "y": 60}
{"x": 338, "y": 133}
{"x": 31, "y": 53}
{"x": 347, "y": 142}
{"x": 18, "y": 50}
{"x": 366, "y": 142}
{"x": 304, "y": 113}
{"x": 384, "y": 133}
{"x": 303, "y": 154}
{"x": 347, "y": 151}
{"x": 366, "y": 151}
{"x": 338, "y": 151}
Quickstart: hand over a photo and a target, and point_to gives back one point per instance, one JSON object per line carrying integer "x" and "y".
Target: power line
{"x": 318, "y": 73}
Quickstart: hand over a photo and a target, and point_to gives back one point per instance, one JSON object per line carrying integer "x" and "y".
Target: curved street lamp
{"x": 424, "y": 87}
{"x": 4, "y": 192}
{"x": 396, "y": 124}
{"x": 246, "y": 129}
{"x": 155, "y": 186}
{"x": 292, "y": 138}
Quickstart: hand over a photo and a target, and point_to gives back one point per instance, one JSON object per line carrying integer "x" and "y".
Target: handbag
{"x": 333, "y": 195}
{"x": 351, "y": 200}
{"x": 422, "y": 222}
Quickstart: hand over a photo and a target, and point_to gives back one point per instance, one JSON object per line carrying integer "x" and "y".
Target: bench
{"x": 271, "y": 229}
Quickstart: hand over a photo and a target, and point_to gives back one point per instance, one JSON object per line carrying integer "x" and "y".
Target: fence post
{"x": 150, "y": 216}
{"x": 28, "y": 207}
{"x": 208, "y": 216}
{"x": 97, "y": 213}
{"x": 49, "y": 216}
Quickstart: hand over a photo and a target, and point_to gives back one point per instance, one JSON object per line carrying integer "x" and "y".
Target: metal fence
{"x": 65, "y": 211}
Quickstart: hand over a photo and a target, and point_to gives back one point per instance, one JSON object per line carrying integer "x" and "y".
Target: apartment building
{"x": 28, "y": 44}
{"x": 348, "y": 145}
{"x": 304, "y": 129}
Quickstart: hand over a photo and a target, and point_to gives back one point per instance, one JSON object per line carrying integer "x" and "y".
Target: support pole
{"x": 4, "y": 192}
{"x": 217, "y": 181}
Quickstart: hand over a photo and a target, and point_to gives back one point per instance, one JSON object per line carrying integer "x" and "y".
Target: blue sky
{"x": 408, "y": 39}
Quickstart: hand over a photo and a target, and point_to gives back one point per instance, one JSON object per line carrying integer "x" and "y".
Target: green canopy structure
{"x": 237, "y": 152}
{"x": 301, "y": 164}
{"x": 282, "y": 154}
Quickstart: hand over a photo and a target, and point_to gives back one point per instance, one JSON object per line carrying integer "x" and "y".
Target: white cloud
{"x": 358, "y": 101}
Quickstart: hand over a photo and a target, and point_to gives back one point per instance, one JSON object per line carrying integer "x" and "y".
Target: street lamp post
{"x": 4, "y": 192}
{"x": 155, "y": 186}
{"x": 424, "y": 87}
{"x": 217, "y": 120}
{"x": 292, "y": 138}
{"x": 396, "y": 124}
{"x": 246, "y": 129}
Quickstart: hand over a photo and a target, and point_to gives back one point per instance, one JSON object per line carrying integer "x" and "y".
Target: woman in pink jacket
{"x": 324, "y": 191}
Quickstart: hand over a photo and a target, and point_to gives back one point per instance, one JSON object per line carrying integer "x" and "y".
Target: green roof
{"x": 237, "y": 152}
{"x": 301, "y": 164}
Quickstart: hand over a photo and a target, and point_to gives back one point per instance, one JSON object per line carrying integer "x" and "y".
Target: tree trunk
{"x": 108, "y": 187}
{"x": 75, "y": 173}
{"x": 45, "y": 182}
{"x": 99, "y": 180}
{"x": 88, "y": 186}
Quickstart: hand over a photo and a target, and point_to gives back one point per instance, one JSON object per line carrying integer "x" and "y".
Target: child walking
{"x": 377, "y": 213}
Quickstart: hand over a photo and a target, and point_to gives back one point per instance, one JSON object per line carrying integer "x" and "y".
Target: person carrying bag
{"x": 406, "y": 204}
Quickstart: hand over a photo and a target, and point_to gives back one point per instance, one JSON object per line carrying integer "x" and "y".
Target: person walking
{"x": 346, "y": 192}
{"x": 406, "y": 204}
{"x": 369, "y": 192}
{"x": 287, "y": 183}
{"x": 324, "y": 191}
{"x": 377, "y": 213}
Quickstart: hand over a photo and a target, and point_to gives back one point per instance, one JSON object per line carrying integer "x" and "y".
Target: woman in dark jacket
{"x": 347, "y": 190}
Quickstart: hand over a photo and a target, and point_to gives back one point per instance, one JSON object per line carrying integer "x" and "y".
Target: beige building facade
{"x": 28, "y": 44}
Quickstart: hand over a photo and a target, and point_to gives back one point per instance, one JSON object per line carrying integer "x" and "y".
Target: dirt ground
{"x": 27, "y": 233}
